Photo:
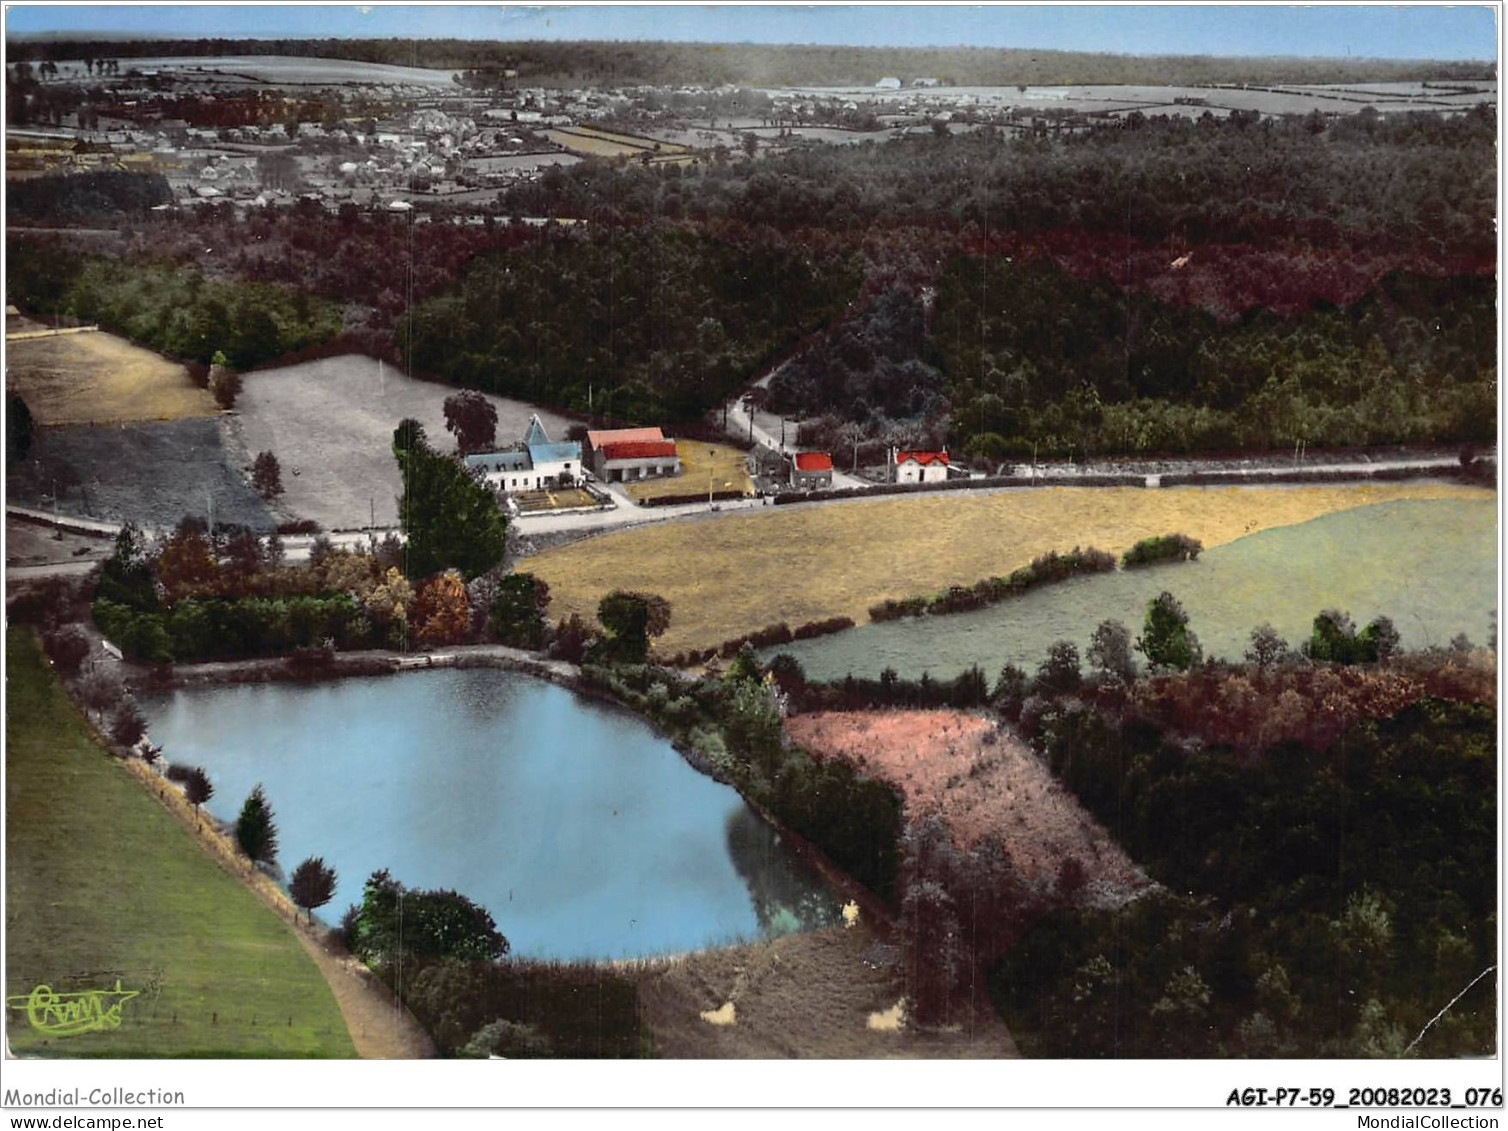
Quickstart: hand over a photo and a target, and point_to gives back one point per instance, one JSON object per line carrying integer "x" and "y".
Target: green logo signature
{"x": 66, "y": 1015}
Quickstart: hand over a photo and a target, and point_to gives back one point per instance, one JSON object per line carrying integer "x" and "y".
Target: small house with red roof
{"x": 811, "y": 471}
{"x": 620, "y": 455}
{"x": 921, "y": 467}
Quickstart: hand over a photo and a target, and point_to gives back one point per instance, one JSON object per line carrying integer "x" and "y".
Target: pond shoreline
{"x": 370, "y": 663}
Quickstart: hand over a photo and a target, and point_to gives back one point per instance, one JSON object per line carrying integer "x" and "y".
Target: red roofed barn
{"x": 622, "y": 454}
{"x": 811, "y": 471}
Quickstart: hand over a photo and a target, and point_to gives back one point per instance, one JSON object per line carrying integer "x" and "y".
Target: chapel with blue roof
{"x": 537, "y": 463}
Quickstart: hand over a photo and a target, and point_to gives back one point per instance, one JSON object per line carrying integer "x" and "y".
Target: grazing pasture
{"x": 729, "y": 574}
{"x": 1431, "y": 566}
{"x": 330, "y": 423}
{"x": 97, "y": 378}
{"x": 103, "y": 886}
{"x": 982, "y": 782}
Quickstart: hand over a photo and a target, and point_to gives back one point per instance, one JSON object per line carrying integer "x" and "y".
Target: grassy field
{"x": 1429, "y": 565}
{"x": 102, "y": 884}
{"x": 330, "y": 423}
{"x": 151, "y": 474}
{"x": 726, "y": 468}
{"x": 982, "y": 782}
{"x": 732, "y": 573}
{"x": 591, "y": 141}
{"x": 97, "y": 378}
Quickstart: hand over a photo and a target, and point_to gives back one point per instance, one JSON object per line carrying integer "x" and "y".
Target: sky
{"x": 1421, "y": 31}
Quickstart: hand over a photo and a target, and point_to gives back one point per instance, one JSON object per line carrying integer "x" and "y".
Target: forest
{"x": 1036, "y": 358}
{"x": 1269, "y": 941}
{"x": 1362, "y": 183}
{"x": 661, "y": 63}
{"x": 1167, "y": 287}
{"x": 650, "y": 323}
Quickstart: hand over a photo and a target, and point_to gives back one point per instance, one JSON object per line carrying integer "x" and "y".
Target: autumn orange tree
{"x": 441, "y": 611}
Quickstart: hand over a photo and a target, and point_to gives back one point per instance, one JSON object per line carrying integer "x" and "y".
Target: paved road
{"x": 626, "y": 513}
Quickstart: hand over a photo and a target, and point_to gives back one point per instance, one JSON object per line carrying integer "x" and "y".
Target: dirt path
{"x": 380, "y": 1027}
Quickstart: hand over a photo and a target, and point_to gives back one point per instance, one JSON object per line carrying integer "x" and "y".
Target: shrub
{"x": 178, "y": 773}
{"x": 572, "y": 638}
{"x": 1166, "y": 548}
{"x": 67, "y": 648}
{"x": 224, "y": 386}
{"x": 821, "y": 627}
{"x": 128, "y": 725}
{"x": 511, "y": 1040}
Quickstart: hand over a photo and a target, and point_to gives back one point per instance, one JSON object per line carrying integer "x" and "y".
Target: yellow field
{"x": 727, "y": 467}
{"x": 592, "y": 146}
{"x": 729, "y": 574}
{"x": 604, "y": 143}
{"x": 97, "y": 378}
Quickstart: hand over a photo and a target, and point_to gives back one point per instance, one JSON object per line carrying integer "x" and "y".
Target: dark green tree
{"x": 256, "y": 833}
{"x": 408, "y": 435}
{"x": 1059, "y": 672}
{"x": 1267, "y": 648}
{"x": 472, "y": 419}
{"x": 517, "y": 614}
{"x": 1166, "y": 640}
{"x": 267, "y": 475}
{"x": 395, "y": 922}
{"x": 18, "y": 428}
{"x": 1110, "y": 651}
{"x": 630, "y": 620}
{"x": 198, "y": 788}
{"x": 312, "y": 885}
{"x": 452, "y": 520}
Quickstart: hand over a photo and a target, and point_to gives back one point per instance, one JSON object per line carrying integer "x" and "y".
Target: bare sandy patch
{"x": 983, "y": 782}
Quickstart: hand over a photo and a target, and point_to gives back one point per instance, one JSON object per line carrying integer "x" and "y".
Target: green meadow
{"x": 104, "y": 886}
{"x": 1429, "y": 565}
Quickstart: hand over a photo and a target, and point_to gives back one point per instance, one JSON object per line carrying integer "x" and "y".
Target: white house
{"x": 536, "y": 464}
{"x": 921, "y": 467}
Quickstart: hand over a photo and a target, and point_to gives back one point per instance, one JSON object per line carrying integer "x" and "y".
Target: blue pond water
{"x": 581, "y": 829}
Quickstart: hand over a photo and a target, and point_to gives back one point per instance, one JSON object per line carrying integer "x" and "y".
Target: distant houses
{"x": 811, "y": 471}
{"x": 623, "y": 454}
{"x": 921, "y": 467}
{"x": 536, "y": 463}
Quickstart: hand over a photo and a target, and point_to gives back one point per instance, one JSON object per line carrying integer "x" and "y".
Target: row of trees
{"x": 181, "y": 311}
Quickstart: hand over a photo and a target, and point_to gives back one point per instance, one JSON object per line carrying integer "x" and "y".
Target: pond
{"x": 582, "y": 830}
